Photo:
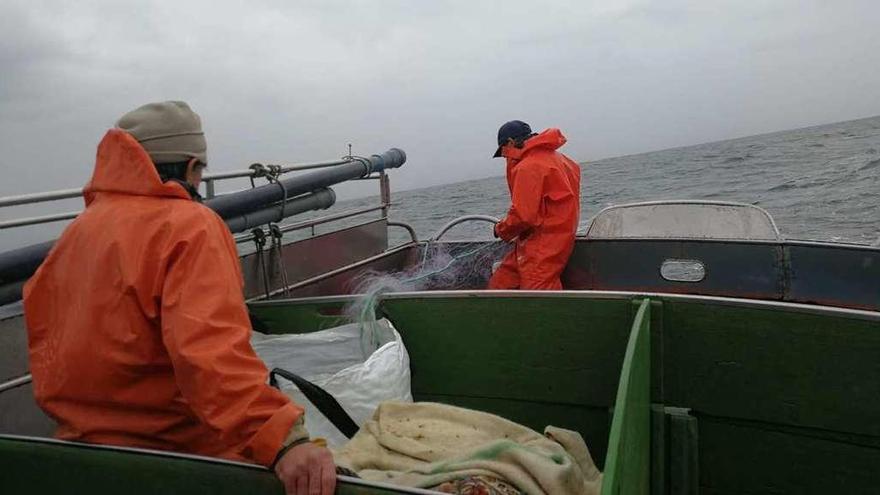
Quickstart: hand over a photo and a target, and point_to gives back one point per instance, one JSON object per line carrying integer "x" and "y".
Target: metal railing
{"x": 209, "y": 180}
{"x": 409, "y": 228}
{"x": 15, "y": 382}
{"x": 467, "y": 218}
{"x": 42, "y": 197}
{"x": 21, "y": 222}
{"x": 317, "y": 221}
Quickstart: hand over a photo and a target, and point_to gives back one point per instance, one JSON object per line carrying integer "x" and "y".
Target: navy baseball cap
{"x": 515, "y": 129}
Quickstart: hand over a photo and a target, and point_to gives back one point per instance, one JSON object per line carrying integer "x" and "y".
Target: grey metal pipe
{"x": 11, "y": 292}
{"x": 22, "y": 263}
{"x": 318, "y": 200}
{"x": 19, "y": 264}
{"x": 42, "y": 197}
{"x": 258, "y": 197}
{"x": 284, "y": 169}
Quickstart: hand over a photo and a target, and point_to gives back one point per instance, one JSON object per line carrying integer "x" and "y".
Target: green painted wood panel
{"x": 757, "y": 458}
{"x": 553, "y": 350}
{"x": 786, "y": 401}
{"x": 773, "y": 365}
{"x": 628, "y": 463}
{"x": 504, "y": 355}
{"x": 659, "y": 457}
{"x": 683, "y": 452}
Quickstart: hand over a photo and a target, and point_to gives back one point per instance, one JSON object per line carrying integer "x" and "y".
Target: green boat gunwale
{"x": 342, "y": 480}
{"x": 585, "y": 294}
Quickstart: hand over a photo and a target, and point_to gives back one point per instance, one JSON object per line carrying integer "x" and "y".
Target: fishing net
{"x": 441, "y": 266}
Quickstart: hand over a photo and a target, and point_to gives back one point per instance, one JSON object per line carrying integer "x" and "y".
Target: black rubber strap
{"x": 325, "y": 402}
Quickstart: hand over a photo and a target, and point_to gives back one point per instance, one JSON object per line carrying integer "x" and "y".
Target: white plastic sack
{"x": 334, "y": 359}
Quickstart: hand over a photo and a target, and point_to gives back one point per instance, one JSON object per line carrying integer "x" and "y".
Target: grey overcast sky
{"x": 287, "y": 81}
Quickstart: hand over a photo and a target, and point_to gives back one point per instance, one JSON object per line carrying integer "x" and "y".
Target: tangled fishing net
{"x": 442, "y": 266}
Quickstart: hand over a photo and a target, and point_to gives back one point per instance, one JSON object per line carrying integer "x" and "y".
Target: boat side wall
{"x": 18, "y": 410}
{"x": 824, "y": 274}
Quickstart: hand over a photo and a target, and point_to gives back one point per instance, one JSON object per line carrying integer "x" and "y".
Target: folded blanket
{"x": 425, "y": 445}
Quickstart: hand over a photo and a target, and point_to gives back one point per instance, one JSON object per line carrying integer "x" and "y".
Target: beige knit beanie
{"x": 170, "y": 131}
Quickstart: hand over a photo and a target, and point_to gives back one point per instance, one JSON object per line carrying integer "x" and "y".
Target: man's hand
{"x": 307, "y": 469}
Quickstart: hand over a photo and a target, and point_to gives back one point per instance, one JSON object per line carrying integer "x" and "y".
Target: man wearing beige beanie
{"x": 138, "y": 331}
{"x": 171, "y": 133}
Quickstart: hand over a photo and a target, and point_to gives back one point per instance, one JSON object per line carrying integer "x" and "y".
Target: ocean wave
{"x": 820, "y": 181}
{"x": 734, "y": 159}
{"x": 871, "y": 164}
{"x": 785, "y": 186}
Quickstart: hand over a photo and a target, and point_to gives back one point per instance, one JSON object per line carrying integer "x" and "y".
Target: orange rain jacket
{"x": 543, "y": 217}
{"x": 137, "y": 327}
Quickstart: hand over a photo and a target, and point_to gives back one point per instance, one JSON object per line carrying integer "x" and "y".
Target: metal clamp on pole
{"x": 368, "y": 167}
{"x": 272, "y": 173}
{"x": 258, "y": 170}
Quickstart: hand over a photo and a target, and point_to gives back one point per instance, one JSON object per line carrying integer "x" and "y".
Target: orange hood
{"x": 124, "y": 167}
{"x": 551, "y": 139}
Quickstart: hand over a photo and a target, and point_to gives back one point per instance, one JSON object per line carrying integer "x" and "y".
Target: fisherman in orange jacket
{"x": 138, "y": 332}
{"x": 545, "y": 203}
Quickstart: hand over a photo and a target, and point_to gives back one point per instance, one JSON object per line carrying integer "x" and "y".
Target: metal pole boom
{"x": 19, "y": 264}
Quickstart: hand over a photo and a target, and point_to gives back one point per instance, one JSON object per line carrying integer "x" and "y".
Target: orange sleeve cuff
{"x": 271, "y": 436}
{"x": 503, "y": 229}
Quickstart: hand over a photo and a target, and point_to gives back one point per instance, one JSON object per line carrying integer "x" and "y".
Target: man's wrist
{"x": 298, "y": 435}
{"x": 286, "y": 448}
